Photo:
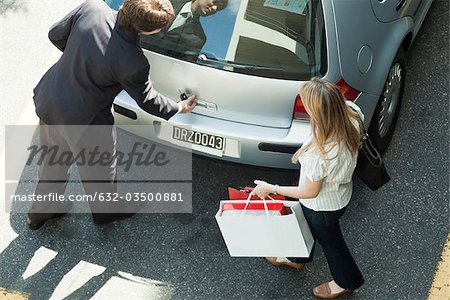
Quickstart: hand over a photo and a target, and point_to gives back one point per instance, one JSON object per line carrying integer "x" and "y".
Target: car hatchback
{"x": 246, "y": 60}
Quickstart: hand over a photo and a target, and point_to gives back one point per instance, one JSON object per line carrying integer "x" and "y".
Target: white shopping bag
{"x": 266, "y": 235}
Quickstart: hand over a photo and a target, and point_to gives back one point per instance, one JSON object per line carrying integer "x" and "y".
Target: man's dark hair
{"x": 145, "y": 15}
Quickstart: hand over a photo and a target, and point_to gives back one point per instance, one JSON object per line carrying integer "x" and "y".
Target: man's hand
{"x": 188, "y": 105}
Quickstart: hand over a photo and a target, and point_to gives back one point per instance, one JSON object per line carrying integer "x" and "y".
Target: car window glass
{"x": 114, "y": 4}
{"x": 270, "y": 38}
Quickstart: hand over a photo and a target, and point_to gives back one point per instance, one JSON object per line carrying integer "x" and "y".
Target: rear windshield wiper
{"x": 227, "y": 65}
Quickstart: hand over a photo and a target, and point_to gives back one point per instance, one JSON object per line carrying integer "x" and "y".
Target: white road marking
{"x": 76, "y": 278}
{"x": 41, "y": 258}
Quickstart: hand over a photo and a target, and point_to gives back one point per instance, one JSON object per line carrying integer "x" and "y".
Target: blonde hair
{"x": 330, "y": 118}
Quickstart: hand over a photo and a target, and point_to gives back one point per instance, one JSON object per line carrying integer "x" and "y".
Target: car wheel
{"x": 386, "y": 113}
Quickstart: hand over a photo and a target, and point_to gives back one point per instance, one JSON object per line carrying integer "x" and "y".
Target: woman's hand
{"x": 262, "y": 189}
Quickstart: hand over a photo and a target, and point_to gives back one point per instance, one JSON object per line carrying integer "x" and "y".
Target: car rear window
{"x": 282, "y": 39}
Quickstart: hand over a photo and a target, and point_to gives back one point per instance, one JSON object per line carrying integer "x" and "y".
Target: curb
{"x": 440, "y": 289}
{"x": 12, "y": 295}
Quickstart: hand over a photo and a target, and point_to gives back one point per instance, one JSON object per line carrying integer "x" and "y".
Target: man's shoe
{"x": 283, "y": 261}
{"x": 34, "y": 225}
{"x": 323, "y": 291}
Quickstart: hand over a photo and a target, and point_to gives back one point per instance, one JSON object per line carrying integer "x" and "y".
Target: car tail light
{"x": 348, "y": 92}
{"x": 299, "y": 110}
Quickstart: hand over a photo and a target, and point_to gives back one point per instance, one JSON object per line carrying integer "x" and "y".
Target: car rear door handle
{"x": 207, "y": 105}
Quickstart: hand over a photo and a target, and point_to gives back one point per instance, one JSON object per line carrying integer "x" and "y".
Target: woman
{"x": 327, "y": 161}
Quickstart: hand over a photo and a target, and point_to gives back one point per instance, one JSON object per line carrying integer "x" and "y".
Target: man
{"x": 185, "y": 37}
{"x": 101, "y": 57}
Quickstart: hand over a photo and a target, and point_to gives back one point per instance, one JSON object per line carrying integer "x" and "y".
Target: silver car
{"x": 246, "y": 60}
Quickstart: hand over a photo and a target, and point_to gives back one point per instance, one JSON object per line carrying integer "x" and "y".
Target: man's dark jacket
{"x": 99, "y": 60}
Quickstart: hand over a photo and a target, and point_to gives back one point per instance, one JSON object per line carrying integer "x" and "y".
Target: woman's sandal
{"x": 323, "y": 291}
{"x": 283, "y": 261}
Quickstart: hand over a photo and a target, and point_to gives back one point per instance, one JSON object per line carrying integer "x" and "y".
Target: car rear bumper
{"x": 245, "y": 143}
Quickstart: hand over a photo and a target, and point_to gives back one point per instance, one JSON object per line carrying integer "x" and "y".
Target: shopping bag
{"x": 266, "y": 235}
{"x": 274, "y": 208}
{"x": 243, "y": 193}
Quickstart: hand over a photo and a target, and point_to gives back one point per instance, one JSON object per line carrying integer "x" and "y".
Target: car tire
{"x": 386, "y": 113}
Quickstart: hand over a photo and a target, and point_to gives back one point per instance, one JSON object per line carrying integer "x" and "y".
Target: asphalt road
{"x": 396, "y": 234}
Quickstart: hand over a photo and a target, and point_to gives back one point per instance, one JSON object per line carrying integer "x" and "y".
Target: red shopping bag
{"x": 242, "y": 194}
{"x": 273, "y": 207}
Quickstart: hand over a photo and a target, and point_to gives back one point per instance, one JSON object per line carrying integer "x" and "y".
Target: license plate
{"x": 198, "y": 138}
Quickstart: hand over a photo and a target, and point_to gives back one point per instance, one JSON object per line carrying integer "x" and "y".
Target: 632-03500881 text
{"x": 102, "y": 197}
